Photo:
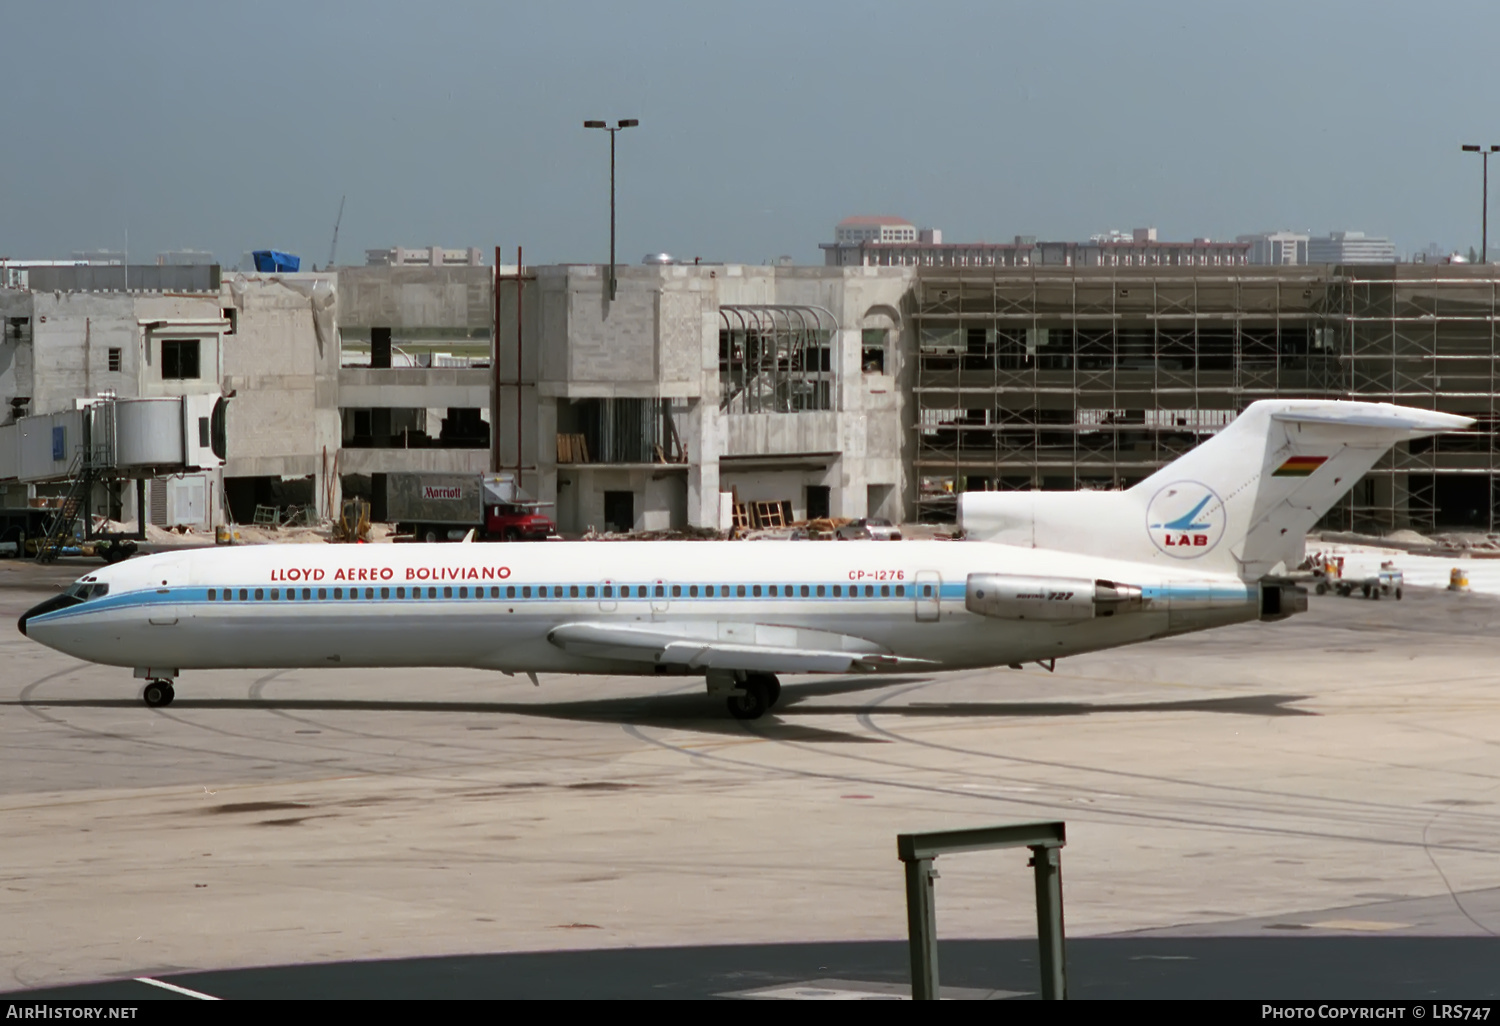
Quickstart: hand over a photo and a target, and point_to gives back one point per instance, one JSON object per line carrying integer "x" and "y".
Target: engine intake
{"x": 1015, "y": 597}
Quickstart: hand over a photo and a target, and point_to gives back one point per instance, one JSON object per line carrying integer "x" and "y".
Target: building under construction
{"x": 1062, "y": 378}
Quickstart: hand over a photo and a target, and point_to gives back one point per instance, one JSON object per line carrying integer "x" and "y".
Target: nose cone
{"x": 52, "y": 605}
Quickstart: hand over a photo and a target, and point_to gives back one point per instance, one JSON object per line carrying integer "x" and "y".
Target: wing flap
{"x": 697, "y": 646}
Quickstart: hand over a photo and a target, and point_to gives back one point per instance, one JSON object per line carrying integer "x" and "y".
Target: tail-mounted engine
{"x": 1012, "y": 597}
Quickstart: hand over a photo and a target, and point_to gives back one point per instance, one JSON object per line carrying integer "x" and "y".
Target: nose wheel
{"x": 158, "y": 693}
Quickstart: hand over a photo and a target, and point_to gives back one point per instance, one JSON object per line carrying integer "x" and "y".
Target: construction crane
{"x": 333, "y": 249}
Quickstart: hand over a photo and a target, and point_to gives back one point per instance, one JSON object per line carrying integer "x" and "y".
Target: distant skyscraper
{"x": 1350, "y": 248}
{"x": 1288, "y": 249}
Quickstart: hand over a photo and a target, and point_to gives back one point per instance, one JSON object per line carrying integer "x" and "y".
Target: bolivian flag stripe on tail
{"x": 1300, "y": 466}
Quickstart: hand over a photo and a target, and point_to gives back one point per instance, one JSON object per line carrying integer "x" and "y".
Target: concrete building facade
{"x": 765, "y": 384}
{"x": 1277, "y": 249}
{"x": 1350, "y": 248}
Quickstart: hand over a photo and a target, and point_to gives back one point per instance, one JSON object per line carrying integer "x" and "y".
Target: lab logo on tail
{"x": 1186, "y": 519}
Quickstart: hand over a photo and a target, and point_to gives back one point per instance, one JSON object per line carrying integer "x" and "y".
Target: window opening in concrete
{"x": 179, "y": 359}
{"x": 819, "y": 501}
{"x": 231, "y": 315}
{"x": 620, "y": 431}
{"x": 872, "y": 349}
{"x": 619, "y": 511}
{"x": 114, "y": 360}
{"x": 380, "y": 348}
{"x": 776, "y": 359}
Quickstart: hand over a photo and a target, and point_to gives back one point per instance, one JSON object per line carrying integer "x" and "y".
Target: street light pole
{"x": 621, "y": 124}
{"x": 1484, "y": 220}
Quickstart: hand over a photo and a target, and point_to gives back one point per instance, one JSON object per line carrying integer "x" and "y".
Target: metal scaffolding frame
{"x": 1426, "y": 337}
{"x": 1095, "y": 378}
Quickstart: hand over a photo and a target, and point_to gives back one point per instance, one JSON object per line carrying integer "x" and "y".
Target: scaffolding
{"x": 1063, "y": 379}
{"x": 1423, "y": 336}
{"x": 1094, "y": 378}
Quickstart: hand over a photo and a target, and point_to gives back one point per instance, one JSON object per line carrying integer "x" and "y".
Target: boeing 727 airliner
{"x": 1204, "y": 542}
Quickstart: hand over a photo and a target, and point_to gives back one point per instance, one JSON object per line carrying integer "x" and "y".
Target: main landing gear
{"x": 158, "y": 693}
{"x": 753, "y": 695}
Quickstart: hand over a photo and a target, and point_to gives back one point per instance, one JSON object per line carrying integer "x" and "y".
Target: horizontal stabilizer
{"x": 1242, "y": 502}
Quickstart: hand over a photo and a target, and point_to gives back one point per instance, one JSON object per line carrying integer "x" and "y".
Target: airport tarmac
{"x": 1330, "y": 780}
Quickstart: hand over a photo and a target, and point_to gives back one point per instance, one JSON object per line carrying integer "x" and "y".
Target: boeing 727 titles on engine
{"x": 1203, "y": 542}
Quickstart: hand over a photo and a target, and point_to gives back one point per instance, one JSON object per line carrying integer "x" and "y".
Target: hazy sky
{"x": 234, "y": 126}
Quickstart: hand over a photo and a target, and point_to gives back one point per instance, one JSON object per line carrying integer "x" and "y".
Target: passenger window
{"x": 885, "y": 591}
{"x": 708, "y": 591}
{"x": 463, "y": 592}
{"x": 740, "y": 591}
{"x": 526, "y": 591}
{"x": 401, "y": 593}
{"x": 901, "y": 591}
{"x": 510, "y": 591}
{"x": 804, "y": 591}
{"x": 259, "y": 594}
{"x": 608, "y": 591}
{"x": 557, "y": 591}
{"x": 369, "y": 593}
{"x": 495, "y": 592}
{"x": 385, "y": 593}
{"x": 838, "y": 591}
{"x": 244, "y": 594}
{"x": 212, "y": 594}
{"x": 322, "y": 593}
{"x": 692, "y": 591}
{"x": 773, "y": 591}
{"x": 572, "y": 591}
{"x": 447, "y": 592}
{"x": 820, "y": 591}
{"x": 677, "y": 591}
{"x": 661, "y": 591}
{"x": 307, "y": 593}
{"x": 291, "y": 593}
{"x": 275, "y": 594}
{"x": 338, "y": 593}
{"x": 927, "y": 591}
{"x": 432, "y": 593}
{"x": 755, "y": 591}
{"x": 589, "y": 591}
{"x": 869, "y": 591}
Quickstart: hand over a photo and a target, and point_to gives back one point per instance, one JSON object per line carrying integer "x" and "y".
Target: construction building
{"x": 1063, "y": 378}
{"x": 706, "y": 395}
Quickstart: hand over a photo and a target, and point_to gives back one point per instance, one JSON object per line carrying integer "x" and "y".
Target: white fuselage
{"x": 496, "y": 606}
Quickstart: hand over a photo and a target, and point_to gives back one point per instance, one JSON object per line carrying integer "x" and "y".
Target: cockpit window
{"x": 88, "y": 591}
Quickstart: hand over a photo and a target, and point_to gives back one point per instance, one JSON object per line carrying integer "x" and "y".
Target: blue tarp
{"x": 271, "y": 260}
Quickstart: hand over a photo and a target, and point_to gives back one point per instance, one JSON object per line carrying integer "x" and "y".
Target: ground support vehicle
{"x": 446, "y": 507}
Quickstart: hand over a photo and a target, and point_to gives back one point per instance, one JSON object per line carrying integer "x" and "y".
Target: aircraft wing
{"x": 759, "y": 647}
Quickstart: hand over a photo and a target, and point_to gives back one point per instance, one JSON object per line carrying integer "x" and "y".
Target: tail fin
{"x": 1242, "y": 502}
